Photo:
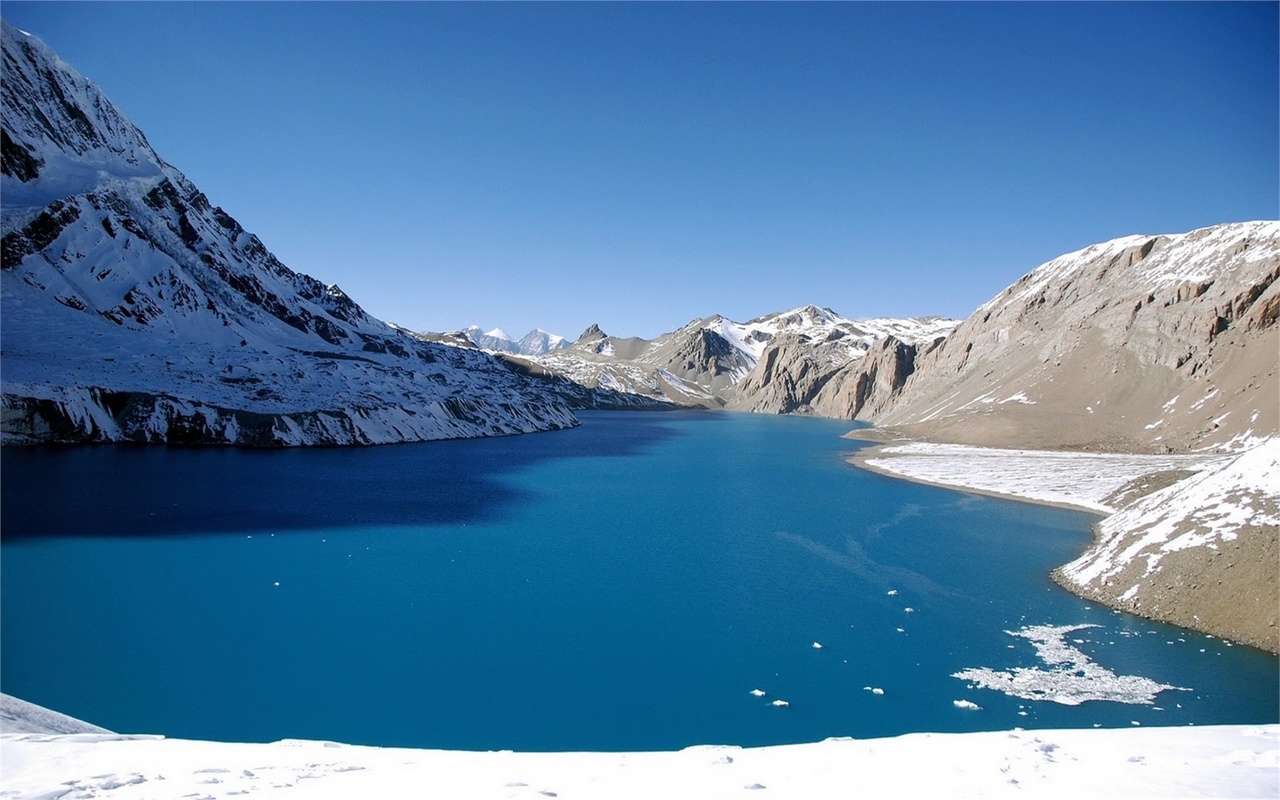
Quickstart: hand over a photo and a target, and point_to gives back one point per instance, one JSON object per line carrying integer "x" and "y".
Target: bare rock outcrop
{"x": 787, "y": 378}
{"x": 862, "y": 389}
{"x": 1140, "y": 344}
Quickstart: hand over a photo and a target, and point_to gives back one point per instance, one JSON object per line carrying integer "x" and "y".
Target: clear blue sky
{"x": 641, "y": 165}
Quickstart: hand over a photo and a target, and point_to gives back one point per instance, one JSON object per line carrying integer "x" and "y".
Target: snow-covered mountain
{"x": 537, "y": 342}
{"x": 134, "y": 309}
{"x": 705, "y": 362}
{"x": 534, "y": 343}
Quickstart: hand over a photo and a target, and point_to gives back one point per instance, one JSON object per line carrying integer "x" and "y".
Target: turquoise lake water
{"x": 623, "y": 585}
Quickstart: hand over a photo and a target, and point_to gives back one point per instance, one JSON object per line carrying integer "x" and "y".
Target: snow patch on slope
{"x": 1200, "y": 511}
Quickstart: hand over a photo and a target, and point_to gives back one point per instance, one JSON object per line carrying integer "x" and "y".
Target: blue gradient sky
{"x": 641, "y": 165}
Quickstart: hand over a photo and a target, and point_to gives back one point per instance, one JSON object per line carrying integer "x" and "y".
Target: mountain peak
{"x": 62, "y": 136}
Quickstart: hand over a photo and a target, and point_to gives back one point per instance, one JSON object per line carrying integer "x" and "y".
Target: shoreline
{"x": 1131, "y": 496}
{"x": 862, "y": 458}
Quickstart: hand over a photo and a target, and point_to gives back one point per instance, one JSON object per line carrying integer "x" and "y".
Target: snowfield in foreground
{"x": 1217, "y": 761}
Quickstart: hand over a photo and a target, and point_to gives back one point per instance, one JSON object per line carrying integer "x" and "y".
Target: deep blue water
{"x": 623, "y": 585}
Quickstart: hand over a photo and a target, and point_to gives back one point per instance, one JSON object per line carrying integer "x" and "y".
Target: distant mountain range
{"x": 534, "y": 343}
{"x": 1140, "y": 344}
{"x": 710, "y": 362}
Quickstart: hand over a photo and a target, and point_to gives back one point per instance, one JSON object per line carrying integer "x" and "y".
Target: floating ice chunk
{"x": 817, "y": 645}
{"x": 909, "y": 610}
{"x": 966, "y": 704}
{"x": 892, "y": 592}
{"x": 779, "y": 704}
{"x": 277, "y": 583}
{"x": 873, "y": 689}
{"x": 1071, "y": 678}
{"x": 758, "y": 692}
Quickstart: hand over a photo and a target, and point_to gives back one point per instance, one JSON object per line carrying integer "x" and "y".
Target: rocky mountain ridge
{"x": 135, "y": 310}
{"x": 708, "y": 361}
{"x": 1140, "y": 344}
{"x": 1143, "y": 344}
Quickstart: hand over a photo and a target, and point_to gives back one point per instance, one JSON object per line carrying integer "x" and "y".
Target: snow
{"x": 1235, "y": 761}
{"x": 19, "y": 716}
{"x": 1198, "y": 511}
{"x": 1084, "y": 480}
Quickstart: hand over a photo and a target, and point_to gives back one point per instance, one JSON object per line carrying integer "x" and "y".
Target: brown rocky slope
{"x": 1143, "y": 344}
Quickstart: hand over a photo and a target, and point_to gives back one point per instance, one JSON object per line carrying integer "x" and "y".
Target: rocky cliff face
{"x": 798, "y": 375}
{"x": 1146, "y": 343}
{"x": 135, "y": 310}
{"x": 862, "y": 389}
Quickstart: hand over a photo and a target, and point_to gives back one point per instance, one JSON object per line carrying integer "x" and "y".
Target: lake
{"x": 624, "y": 585}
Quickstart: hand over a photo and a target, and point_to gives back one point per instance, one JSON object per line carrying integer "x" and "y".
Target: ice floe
{"x": 1069, "y": 677}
